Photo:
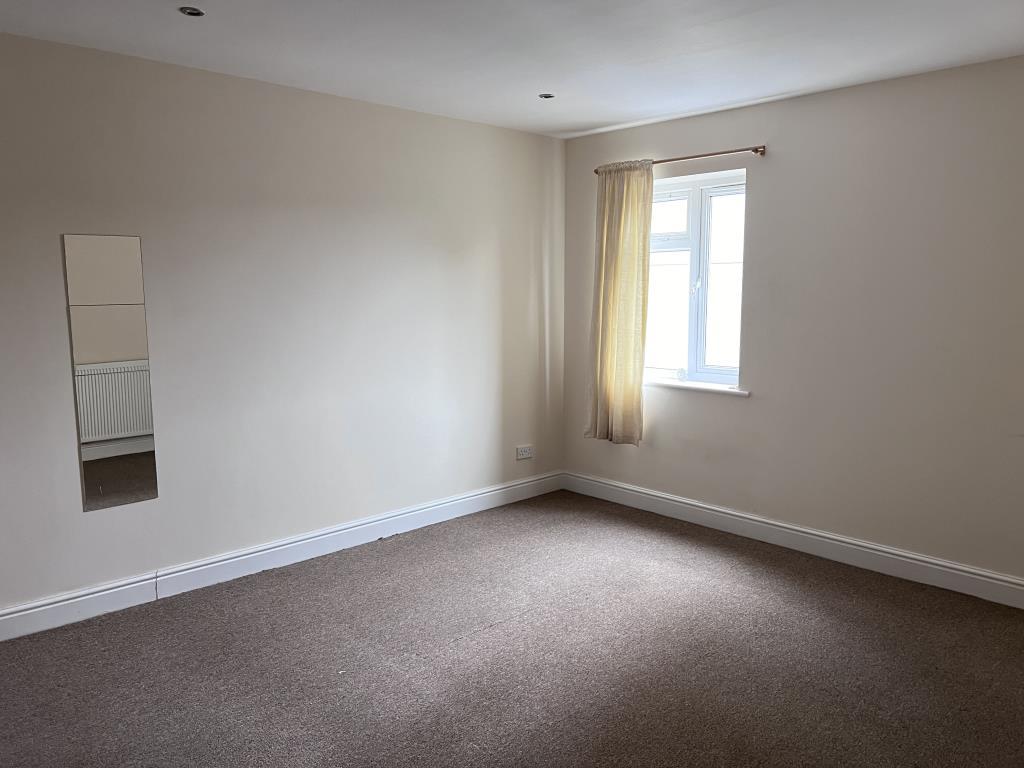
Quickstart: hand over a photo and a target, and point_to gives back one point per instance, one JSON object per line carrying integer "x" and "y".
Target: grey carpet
{"x": 560, "y": 631}
{"x": 119, "y": 480}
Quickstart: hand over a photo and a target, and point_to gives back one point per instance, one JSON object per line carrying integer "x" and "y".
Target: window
{"x": 696, "y": 278}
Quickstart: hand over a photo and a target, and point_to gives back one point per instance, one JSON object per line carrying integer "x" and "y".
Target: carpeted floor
{"x": 119, "y": 480}
{"x": 560, "y": 631}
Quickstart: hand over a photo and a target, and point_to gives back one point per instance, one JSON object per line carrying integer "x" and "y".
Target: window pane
{"x": 725, "y": 280}
{"x": 669, "y": 216}
{"x": 668, "y": 311}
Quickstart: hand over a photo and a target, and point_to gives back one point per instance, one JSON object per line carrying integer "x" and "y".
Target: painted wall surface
{"x": 882, "y": 325}
{"x": 351, "y": 308}
{"x": 106, "y": 298}
{"x": 108, "y": 333}
{"x": 104, "y": 269}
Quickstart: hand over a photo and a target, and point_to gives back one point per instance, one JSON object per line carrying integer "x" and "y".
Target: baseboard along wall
{"x": 989, "y": 585}
{"x": 82, "y": 604}
{"x": 104, "y": 449}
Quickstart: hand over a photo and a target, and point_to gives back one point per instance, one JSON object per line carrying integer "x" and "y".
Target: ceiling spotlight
{"x": 189, "y": 10}
{"x": 545, "y": 95}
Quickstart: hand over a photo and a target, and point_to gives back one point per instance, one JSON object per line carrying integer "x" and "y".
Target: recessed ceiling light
{"x": 545, "y": 95}
{"x": 189, "y": 10}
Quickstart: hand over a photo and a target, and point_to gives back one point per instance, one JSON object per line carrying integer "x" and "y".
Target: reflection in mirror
{"x": 110, "y": 355}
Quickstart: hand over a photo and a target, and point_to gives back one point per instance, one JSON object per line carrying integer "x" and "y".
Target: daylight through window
{"x": 696, "y": 278}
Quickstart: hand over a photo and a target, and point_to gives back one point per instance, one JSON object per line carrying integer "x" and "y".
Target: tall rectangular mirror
{"x": 110, "y": 357}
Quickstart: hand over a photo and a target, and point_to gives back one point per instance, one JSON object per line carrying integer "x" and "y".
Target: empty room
{"x": 477, "y": 384}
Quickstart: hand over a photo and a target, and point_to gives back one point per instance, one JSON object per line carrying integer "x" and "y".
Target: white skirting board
{"x": 203, "y": 573}
{"x": 82, "y": 604}
{"x": 104, "y": 449}
{"x": 989, "y": 585}
{"x": 75, "y": 606}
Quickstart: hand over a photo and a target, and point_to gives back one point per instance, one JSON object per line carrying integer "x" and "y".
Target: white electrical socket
{"x": 524, "y": 452}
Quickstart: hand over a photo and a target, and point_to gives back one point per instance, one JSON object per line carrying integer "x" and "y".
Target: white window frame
{"x": 698, "y": 191}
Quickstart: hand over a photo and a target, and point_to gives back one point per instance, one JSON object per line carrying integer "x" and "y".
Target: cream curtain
{"x": 625, "y": 192}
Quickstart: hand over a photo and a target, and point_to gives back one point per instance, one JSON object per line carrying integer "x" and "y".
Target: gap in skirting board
{"x": 86, "y": 603}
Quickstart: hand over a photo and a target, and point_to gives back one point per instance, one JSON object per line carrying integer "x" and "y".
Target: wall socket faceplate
{"x": 524, "y": 452}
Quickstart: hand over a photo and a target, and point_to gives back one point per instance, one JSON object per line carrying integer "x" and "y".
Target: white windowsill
{"x": 698, "y": 386}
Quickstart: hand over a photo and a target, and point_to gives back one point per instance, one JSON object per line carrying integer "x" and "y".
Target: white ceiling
{"x": 610, "y": 62}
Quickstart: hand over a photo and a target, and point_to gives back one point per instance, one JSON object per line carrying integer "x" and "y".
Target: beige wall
{"x": 883, "y": 317}
{"x": 351, "y": 308}
{"x": 103, "y": 269}
{"x": 105, "y": 334}
{"x": 106, "y": 298}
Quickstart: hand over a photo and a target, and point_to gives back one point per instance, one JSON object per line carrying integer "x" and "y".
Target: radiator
{"x": 113, "y": 400}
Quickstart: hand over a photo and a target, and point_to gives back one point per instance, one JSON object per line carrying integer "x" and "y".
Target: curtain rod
{"x": 758, "y": 150}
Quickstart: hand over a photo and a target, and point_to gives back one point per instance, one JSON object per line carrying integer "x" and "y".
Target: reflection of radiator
{"x": 113, "y": 400}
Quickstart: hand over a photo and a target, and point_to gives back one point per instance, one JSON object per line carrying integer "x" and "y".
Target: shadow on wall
{"x": 531, "y": 321}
